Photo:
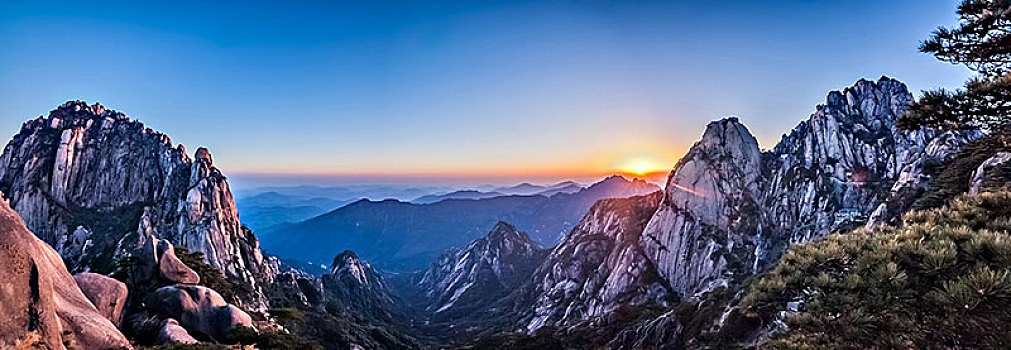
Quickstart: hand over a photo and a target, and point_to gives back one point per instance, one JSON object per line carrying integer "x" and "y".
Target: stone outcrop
{"x": 107, "y": 294}
{"x": 39, "y": 299}
{"x": 198, "y": 309}
{"x": 993, "y": 173}
{"x": 462, "y": 280}
{"x": 90, "y": 181}
{"x": 707, "y": 224}
{"x": 171, "y": 268}
{"x": 597, "y": 268}
{"x": 172, "y": 332}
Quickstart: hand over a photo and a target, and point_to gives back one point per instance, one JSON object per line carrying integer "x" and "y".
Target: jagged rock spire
{"x": 92, "y": 182}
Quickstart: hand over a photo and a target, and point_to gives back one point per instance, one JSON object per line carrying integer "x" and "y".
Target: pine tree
{"x": 981, "y": 42}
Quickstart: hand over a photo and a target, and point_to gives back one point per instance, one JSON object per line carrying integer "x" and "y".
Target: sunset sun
{"x": 641, "y": 168}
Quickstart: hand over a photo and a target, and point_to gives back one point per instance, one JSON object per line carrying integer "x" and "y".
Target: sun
{"x": 641, "y": 168}
{"x": 638, "y": 165}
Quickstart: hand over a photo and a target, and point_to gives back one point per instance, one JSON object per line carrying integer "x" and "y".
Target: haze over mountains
{"x": 401, "y": 235}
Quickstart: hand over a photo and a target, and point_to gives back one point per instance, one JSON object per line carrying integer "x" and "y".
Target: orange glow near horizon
{"x": 645, "y": 165}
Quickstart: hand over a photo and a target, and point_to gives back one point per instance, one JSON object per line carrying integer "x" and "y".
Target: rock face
{"x": 171, "y": 268}
{"x": 39, "y": 297}
{"x": 708, "y": 221}
{"x": 354, "y": 284}
{"x": 467, "y": 279}
{"x": 89, "y": 181}
{"x": 993, "y": 173}
{"x": 729, "y": 209}
{"x": 107, "y": 294}
{"x": 837, "y": 166}
{"x": 200, "y": 310}
{"x": 172, "y": 332}
{"x": 599, "y": 267}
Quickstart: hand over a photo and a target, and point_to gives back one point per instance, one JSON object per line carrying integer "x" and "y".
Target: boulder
{"x": 200, "y": 310}
{"x": 173, "y": 269}
{"x": 107, "y": 294}
{"x": 993, "y": 172}
{"x": 39, "y": 299}
{"x": 172, "y": 332}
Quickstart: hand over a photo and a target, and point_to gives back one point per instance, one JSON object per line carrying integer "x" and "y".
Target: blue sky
{"x": 456, "y": 88}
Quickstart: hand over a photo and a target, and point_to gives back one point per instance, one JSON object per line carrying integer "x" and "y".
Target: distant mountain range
{"x": 524, "y": 189}
{"x": 397, "y": 235}
{"x": 271, "y": 208}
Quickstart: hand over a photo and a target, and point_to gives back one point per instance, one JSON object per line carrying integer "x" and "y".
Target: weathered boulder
{"x": 39, "y": 297}
{"x": 107, "y": 294}
{"x": 200, "y": 310}
{"x": 173, "y": 269}
{"x": 172, "y": 332}
{"x": 994, "y": 172}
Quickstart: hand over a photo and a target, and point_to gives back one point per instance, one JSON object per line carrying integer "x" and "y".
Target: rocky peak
{"x": 72, "y": 110}
{"x": 837, "y": 167}
{"x": 596, "y": 269}
{"x": 204, "y": 156}
{"x": 705, "y": 228}
{"x": 505, "y": 238}
{"x": 93, "y": 183}
{"x": 469, "y": 278}
{"x": 876, "y": 103}
{"x": 347, "y": 264}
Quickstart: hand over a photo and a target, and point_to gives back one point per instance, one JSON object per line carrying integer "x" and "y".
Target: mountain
{"x": 267, "y": 209}
{"x": 350, "y": 306}
{"x": 728, "y": 211}
{"x": 527, "y": 188}
{"x": 463, "y": 280}
{"x": 566, "y": 187}
{"x": 93, "y": 183}
{"x": 357, "y": 286}
{"x": 407, "y": 236}
{"x": 462, "y": 194}
{"x": 598, "y": 268}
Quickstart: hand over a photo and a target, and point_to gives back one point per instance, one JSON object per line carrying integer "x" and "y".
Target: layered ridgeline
{"x": 397, "y": 235}
{"x": 98, "y": 186}
{"x": 728, "y": 211}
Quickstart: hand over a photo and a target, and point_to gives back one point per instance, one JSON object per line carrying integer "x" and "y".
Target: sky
{"x": 446, "y": 90}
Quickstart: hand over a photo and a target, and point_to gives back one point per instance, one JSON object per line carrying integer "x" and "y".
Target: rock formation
{"x": 172, "y": 332}
{"x": 993, "y": 173}
{"x": 599, "y": 267}
{"x": 462, "y": 280}
{"x": 729, "y": 209}
{"x": 708, "y": 221}
{"x": 90, "y": 181}
{"x": 199, "y": 310}
{"x": 107, "y": 294}
{"x": 40, "y": 302}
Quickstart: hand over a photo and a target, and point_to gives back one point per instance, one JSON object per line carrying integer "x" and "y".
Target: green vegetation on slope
{"x": 942, "y": 280}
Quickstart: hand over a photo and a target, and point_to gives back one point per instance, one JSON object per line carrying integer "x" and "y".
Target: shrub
{"x": 942, "y": 280}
